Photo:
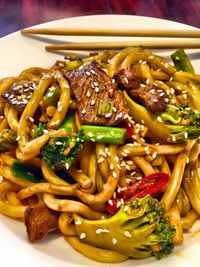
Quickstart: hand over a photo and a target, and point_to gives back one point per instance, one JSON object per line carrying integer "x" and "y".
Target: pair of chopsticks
{"x": 192, "y": 42}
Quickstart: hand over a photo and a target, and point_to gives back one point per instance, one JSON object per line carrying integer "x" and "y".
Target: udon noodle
{"x": 101, "y": 169}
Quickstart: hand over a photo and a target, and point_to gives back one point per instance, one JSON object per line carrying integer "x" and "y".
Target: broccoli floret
{"x": 61, "y": 152}
{"x": 175, "y": 124}
{"x": 185, "y": 122}
{"x": 7, "y": 140}
{"x": 39, "y": 130}
{"x": 139, "y": 230}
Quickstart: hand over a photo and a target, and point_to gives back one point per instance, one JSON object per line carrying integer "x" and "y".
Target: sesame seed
{"x": 142, "y": 85}
{"x": 45, "y": 131}
{"x": 125, "y": 208}
{"x": 122, "y": 201}
{"x": 154, "y": 155}
{"x": 186, "y": 135}
{"x": 127, "y": 234}
{"x": 87, "y": 73}
{"x": 126, "y": 80}
{"x": 113, "y": 81}
{"x": 78, "y": 222}
{"x": 60, "y": 109}
{"x": 88, "y": 94}
{"x": 128, "y": 181}
{"x": 96, "y": 83}
{"x": 185, "y": 96}
{"x": 146, "y": 148}
{"x": 152, "y": 91}
{"x": 110, "y": 202}
{"x": 93, "y": 102}
{"x": 171, "y": 79}
{"x": 31, "y": 119}
{"x": 166, "y": 65}
{"x": 90, "y": 134}
{"x": 144, "y": 62}
{"x": 166, "y": 100}
{"x": 159, "y": 119}
{"x": 1, "y": 179}
{"x": 147, "y": 81}
{"x": 111, "y": 166}
{"x": 112, "y": 133}
{"x": 105, "y": 231}
{"x": 107, "y": 115}
{"x": 155, "y": 100}
{"x": 59, "y": 143}
{"x": 128, "y": 167}
{"x": 18, "y": 137}
{"x": 114, "y": 174}
{"x": 173, "y": 138}
{"x": 122, "y": 163}
{"x": 114, "y": 109}
{"x": 139, "y": 178}
{"x": 82, "y": 235}
{"x": 92, "y": 139}
{"x": 126, "y": 116}
{"x": 133, "y": 173}
{"x": 100, "y": 160}
{"x": 187, "y": 160}
{"x": 118, "y": 166}
{"x": 114, "y": 241}
{"x": 83, "y": 111}
{"x": 162, "y": 94}
{"x": 118, "y": 203}
{"x": 99, "y": 231}
{"x": 96, "y": 89}
{"x": 120, "y": 115}
{"x": 99, "y": 137}
{"x": 93, "y": 72}
{"x": 129, "y": 162}
{"x": 116, "y": 159}
{"x": 67, "y": 165}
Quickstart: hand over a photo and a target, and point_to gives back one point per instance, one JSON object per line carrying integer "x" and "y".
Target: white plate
{"x": 18, "y": 52}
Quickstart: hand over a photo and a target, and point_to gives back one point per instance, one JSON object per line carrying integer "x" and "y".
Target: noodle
{"x": 97, "y": 175}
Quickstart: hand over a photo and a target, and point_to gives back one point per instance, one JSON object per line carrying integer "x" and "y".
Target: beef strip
{"x": 151, "y": 96}
{"x": 39, "y": 221}
{"x": 129, "y": 78}
{"x": 19, "y": 95}
{"x": 94, "y": 90}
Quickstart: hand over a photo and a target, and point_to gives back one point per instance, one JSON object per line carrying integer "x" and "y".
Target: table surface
{"x": 19, "y": 14}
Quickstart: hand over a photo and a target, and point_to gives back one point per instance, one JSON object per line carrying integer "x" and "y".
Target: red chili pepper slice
{"x": 149, "y": 185}
{"x": 130, "y": 130}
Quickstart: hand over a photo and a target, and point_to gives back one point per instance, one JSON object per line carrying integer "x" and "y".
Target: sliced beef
{"x": 19, "y": 95}
{"x": 100, "y": 102}
{"x": 152, "y": 97}
{"x": 39, "y": 221}
{"x": 129, "y": 78}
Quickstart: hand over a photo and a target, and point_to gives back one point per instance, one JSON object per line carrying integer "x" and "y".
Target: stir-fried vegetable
{"x": 135, "y": 230}
{"x": 7, "y": 140}
{"x": 23, "y": 171}
{"x": 161, "y": 131}
{"x": 61, "y": 152}
{"x": 149, "y": 185}
{"x": 104, "y": 134}
{"x": 182, "y": 61}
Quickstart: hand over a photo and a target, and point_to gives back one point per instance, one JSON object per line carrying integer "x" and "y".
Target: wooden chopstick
{"x": 119, "y": 45}
{"x": 116, "y": 32}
